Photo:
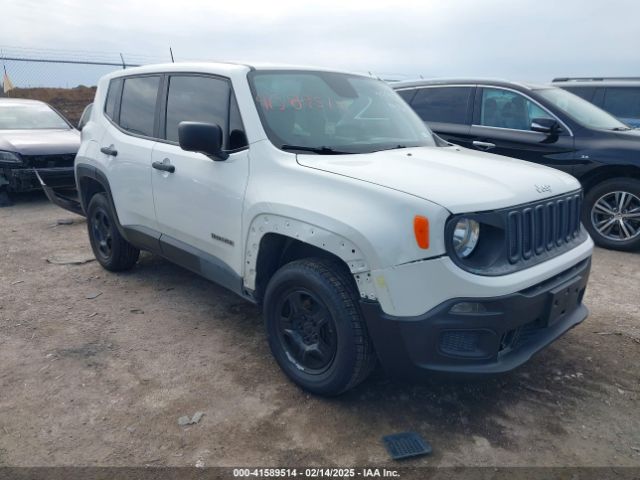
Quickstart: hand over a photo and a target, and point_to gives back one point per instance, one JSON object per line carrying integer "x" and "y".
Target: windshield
{"x": 31, "y": 116}
{"x": 583, "y": 112}
{"x": 329, "y": 113}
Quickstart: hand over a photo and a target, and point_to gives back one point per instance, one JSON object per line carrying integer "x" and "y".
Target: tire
{"x": 311, "y": 306}
{"x": 111, "y": 250}
{"x": 611, "y": 214}
{"x": 5, "y": 200}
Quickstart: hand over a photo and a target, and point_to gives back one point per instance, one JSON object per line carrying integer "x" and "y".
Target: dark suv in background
{"x": 550, "y": 126}
{"x": 620, "y": 96}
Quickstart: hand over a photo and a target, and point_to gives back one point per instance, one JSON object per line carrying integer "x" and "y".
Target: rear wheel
{"x": 5, "y": 201}
{"x": 315, "y": 329}
{"x": 111, "y": 250}
{"x": 612, "y": 213}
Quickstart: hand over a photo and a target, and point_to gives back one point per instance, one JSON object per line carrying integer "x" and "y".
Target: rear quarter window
{"x": 407, "y": 95}
{"x": 112, "y": 98}
{"x": 623, "y": 102}
{"x": 583, "y": 92}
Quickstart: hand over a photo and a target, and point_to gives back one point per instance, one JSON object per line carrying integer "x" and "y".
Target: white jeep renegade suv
{"x": 322, "y": 196}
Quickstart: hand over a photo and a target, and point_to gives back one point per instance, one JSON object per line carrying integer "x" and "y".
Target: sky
{"x": 525, "y": 40}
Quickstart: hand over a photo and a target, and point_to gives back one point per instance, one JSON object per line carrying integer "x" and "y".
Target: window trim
{"x": 473, "y": 124}
{"x": 119, "y": 105}
{"x": 162, "y": 114}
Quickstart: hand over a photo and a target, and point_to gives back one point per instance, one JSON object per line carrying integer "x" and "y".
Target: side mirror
{"x": 202, "y": 138}
{"x": 548, "y": 126}
{"x": 84, "y": 118}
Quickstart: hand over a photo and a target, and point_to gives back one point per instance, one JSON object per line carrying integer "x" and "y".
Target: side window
{"x": 507, "y": 109}
{"x": 112, "y": 98}
{"x": 442, "y": 104}
{"x": 196, "y": 99}
{"x": 138, "y": 106}
{"x": 583, "y": 92}
{"x": 407, "y": 95}
{"x": 623, "y": 102}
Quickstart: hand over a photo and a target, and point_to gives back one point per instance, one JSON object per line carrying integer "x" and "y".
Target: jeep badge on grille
{"x": 543, "y": 188}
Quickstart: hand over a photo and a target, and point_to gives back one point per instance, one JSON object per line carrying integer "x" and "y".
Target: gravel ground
{"x": 96, "y": 368}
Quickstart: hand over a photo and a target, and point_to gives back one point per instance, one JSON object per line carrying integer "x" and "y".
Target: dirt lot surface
{"x": 96, "y": 368}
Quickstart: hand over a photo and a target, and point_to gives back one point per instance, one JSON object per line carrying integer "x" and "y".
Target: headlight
{"x": 9, "y": 158}
{"x": 465, "y": 237}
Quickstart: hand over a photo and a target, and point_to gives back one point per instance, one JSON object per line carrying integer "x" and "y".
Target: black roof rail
{"x": 592, "y": 79}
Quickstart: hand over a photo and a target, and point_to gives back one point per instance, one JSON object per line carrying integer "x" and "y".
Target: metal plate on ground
{"x": 405, "y": 445}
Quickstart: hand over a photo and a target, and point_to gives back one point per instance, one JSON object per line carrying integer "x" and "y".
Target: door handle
{"x": 484, "y": 145}
{"x": 110, "y": 150}
{"x": 165, "y": 167}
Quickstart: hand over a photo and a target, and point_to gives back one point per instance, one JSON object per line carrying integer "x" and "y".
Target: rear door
{"x": 446, "y": 110}
{"x": 126, "y": 148}
{"x": 199, "y": 204}
{"x": 502, "y": 125}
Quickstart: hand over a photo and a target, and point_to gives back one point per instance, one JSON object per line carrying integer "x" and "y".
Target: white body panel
{"x": 129, "y": 176}
{"x": 415, "y": 288}
{"x": 460, "y": 179}
{"x": 202, "y": 197}
{"x": 360, "y": 207}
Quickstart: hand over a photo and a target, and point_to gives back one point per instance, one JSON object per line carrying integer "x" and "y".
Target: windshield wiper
{"x": 621, "y": 129}
{"x": 318, "y": 150}
{"x": 397, "y": 147}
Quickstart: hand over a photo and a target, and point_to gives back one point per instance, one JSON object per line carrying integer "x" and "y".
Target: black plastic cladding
{"x": 516, "y": 238}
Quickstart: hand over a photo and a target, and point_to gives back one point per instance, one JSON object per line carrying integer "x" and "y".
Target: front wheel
{"x": 612, "y": 214}
{"x": 315, "y": 329}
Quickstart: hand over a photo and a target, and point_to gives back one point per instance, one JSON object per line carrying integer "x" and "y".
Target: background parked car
{"x": 34, "y": 135}
{"x": 550, "y": 126}
{"x": 619, "y": 96}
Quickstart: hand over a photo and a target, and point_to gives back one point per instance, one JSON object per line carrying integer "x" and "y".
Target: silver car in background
{"x": 33, "y": 135}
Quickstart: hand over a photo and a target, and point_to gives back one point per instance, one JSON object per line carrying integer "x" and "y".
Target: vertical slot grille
{"x": 548, "y": 225}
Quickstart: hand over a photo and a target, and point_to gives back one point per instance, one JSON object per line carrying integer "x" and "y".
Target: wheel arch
{"x": 91, "y": 181}
{"x": 275, "y": 240}
{"x": 608, "y": 172}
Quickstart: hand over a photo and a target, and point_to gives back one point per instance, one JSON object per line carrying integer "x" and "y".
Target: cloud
{"x": 525, "y": 40}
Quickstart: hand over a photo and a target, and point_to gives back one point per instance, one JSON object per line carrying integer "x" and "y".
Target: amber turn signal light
{"x": 421, "y": 231}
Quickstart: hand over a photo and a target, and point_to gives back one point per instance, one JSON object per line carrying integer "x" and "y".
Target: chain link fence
{"x": 65, "y": 79}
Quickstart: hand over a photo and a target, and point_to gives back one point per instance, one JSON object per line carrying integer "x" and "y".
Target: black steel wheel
{"x": 315, "y": 329}
{"x": 306, "y": 331}
{"x": 111, "y": 250}
{"x": 101, "y": 227}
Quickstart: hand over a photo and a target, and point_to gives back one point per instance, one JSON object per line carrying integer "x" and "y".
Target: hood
{"x": 456, "y": 178}
{"x": 40, "y": 142}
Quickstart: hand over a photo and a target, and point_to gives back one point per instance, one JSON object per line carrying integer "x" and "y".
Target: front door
{"x": 502, "y": 125}
{"x": 199, "y": 204}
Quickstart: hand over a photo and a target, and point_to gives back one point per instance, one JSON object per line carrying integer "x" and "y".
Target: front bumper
{"x": 25, "y": 180}
{"x": 505, "y": 333}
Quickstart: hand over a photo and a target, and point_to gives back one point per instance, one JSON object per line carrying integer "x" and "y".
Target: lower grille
{"x": 520, "y": 336}
{"x": 49, "y": 161}
{"x": 456, "y": 342}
